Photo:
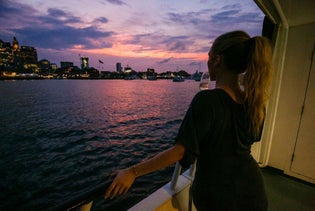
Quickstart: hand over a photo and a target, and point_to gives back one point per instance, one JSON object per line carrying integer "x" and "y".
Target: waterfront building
{"x": 64, "y": 64}
{"x": 151, "y": 74}
{"x": 84, "y": 63}
{"x": 6, "y": 56}
{"x": 53, "y": 66}
{"x": 15, "y": 44}
{"x": 118, "y": 67}
{"x": 13, "y": 57}
{"x": 44, "y": 66}
{"x": 127, "y": 69}
{"x": 150, "y": 71}
{"x": 28, "y": 55}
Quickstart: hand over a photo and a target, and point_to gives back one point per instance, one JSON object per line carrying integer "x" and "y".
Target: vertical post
{"x": 177, "y": 171}
{"x": 192, "y": 169}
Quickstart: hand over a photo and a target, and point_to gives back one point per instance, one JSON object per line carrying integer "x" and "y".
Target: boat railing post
{"x": 176, "y": 173}
{"x": 192, "y": 169}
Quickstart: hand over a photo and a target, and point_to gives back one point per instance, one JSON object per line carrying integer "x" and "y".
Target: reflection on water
{"x": 59, "y": 137}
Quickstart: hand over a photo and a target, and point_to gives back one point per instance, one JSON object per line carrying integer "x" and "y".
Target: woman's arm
{"x": 125, "y": 178}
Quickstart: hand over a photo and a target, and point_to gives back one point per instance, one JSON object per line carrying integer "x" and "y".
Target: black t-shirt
{"x": 215, "y": 130}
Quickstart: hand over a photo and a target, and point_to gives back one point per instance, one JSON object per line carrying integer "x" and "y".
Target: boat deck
{"x": 286, "y": 193}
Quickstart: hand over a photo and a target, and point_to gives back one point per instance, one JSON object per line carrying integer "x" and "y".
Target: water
{"x": 61, "y": 137}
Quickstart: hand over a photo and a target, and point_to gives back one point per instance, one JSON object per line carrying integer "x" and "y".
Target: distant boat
{"x": 178, "y": 79}
{"x": 151, "y": 77}
{"x": 197, "y": 77}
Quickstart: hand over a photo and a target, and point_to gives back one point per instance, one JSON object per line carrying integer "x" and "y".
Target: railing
{"x": 83, "y": 202}
{"x": 177, "y": 172}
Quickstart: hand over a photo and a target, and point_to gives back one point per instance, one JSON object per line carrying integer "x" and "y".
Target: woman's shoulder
{"x": 209, "y": 93}
{"x": 207, "y": 97}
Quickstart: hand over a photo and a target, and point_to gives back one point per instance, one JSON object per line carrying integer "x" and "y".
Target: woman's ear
{"x": 217, "y": 60}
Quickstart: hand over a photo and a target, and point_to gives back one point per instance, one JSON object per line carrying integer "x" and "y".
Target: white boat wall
{"x": 288, "y": 142}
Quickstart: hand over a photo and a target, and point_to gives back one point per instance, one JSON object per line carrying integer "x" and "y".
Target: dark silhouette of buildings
{"x": 16, "y": 58}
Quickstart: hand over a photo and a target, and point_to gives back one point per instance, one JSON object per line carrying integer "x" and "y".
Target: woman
{"x": 219, "y": 128}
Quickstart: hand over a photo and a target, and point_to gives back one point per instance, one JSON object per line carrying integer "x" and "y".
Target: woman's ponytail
{"x": 257, "y": 81}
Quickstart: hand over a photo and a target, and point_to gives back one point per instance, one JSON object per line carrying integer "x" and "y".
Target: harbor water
{"x": 59, "y": 138}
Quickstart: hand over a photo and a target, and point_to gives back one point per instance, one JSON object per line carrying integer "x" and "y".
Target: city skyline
{"x": 164, "y": 35}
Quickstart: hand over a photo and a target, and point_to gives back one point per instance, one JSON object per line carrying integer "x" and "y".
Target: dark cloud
{"x": 57, "y": 12}
{"x": 177, "y": 43}
{"x": 250, "y": 17}
{"x": 117, "y": 2}
{"x": 174, "y": 17}
{"x": 236, "y": 17}
{"x": 189, "y": 17}
{"x": 160, "y": 41}
{"x": 225, "y": 15}
{"x": 10, "y": 7}
{"x": 50, "y": 31}
{"x": 231, "y": 7}
{"x": 13, "y": 14}
{"x": 63, "y": 37}
{"x": 177, "y": 46}
{"x": 101, "y": 20}
{"x": 184, "y": 18}
{"x": 165, "y": 61}
{"x": 141, "y": 38}
{"x": 58, "y": 17}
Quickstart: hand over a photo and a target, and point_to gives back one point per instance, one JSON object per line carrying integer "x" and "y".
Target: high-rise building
{"x": 15, "y": 44}
{"x": 28, "y": 54}
{"x": 84, "y": 62}
{"x": 118, "y": 67}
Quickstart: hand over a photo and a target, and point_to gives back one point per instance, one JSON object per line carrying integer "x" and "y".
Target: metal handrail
{"x": 83, "y": 199}
{"x": 177, "y": 172}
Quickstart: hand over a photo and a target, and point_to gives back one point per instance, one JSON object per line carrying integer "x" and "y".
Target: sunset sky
{"x": 163, "y": 34}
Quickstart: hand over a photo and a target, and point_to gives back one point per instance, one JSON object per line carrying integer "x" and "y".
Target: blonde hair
{"x": 254, "y": 57}
{"x": 257, "y": 80}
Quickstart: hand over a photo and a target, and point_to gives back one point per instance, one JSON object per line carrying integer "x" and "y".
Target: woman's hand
{"x": 125, "y": 178}
{"x": 121, "y": 184}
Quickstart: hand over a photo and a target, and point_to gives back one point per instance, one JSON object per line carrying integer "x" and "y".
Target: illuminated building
{"x": 28, "y": 55}
{"x": 15, "y": 44}
{"x": 6, "y": 56}
{"x": 84, "y": 63}
{"x": 53, "y": 66}
{"x": 128, "y": 69}
{"x": 14, "y": 58}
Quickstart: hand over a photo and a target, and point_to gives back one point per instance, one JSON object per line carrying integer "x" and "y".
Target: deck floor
{"x": 288, "y": 194}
